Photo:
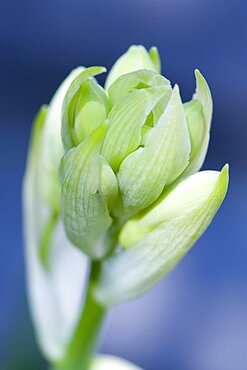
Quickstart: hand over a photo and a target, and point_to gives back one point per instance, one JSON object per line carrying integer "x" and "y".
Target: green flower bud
{"x": 85, "y": 107}
{"x": 112, "y": 171}
{"x": 136, "y": 57}
{"x": 150, "y": 141}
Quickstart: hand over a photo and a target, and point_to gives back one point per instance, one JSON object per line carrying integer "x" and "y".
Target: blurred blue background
{"x": 196, "y": 319}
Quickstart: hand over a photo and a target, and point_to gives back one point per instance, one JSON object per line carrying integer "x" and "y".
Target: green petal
{"x": 197, "y": 128}
{"x": 204, "y": 96}
{"x": 91, "y": 92}
{"x": 136, "y": 57}
{"x": 55, "y": 293}
{"x": 51, "y": 152}
{"x": 46, "y": 239}
{"x": 108, "y": 184}
{"x": 163, "y": 157}
{"x": 44, "y": 177}
{"x": 84, "y": 209}
{"x": 52, "y": 146}
{"x": 130, "y": 273}
{"x": 154, "y": 55}
{"x": 140, "y": 79}
{"x": 91, "y": 109}
{"x": 126, "y": 120}
{"x": 199, "y": 116}
{"x": 175, "y": 202}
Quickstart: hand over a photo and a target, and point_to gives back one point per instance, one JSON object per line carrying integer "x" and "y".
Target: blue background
{"x": 196, "y": 319}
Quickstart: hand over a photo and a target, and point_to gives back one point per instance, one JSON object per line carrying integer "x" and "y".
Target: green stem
{"x": 82, "y": 346}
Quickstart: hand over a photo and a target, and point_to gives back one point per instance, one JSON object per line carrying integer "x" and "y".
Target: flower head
{"x": 116, "y": 168}
{"x": 126, "y": 145}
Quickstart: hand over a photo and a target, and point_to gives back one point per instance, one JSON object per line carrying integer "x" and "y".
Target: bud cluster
{"x": 114, "y": 172}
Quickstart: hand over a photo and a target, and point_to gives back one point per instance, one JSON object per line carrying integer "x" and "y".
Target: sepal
{"x": 84, "y": 209}
{"x": 160, "y": 238}
{"x": 126, "y": 120}
{"x": 159, "y": 161}
{"x": 199, "y": 116}
{"x": 56, "y": 282}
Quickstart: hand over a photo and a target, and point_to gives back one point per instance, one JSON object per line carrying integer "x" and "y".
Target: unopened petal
{"x": 199, "y": 123}
{"x": 132, "y": 272}
{"x": 165, "y": 154}
{"x": 136, "y": 57}
{"x": 84, "y": 208}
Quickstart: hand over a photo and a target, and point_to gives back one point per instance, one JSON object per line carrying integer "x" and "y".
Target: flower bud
{"x": 121, "y": 182}
{"x": 151, "y": 139}
{"x": 136, "y": 57}
{"x": 85, "y": 107}
{"x": 88, "y": 171}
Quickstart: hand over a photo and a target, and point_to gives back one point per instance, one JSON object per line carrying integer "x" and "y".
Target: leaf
{"x": 69, "y": 105}
{"x": 55, "y": 295}
{"x": 135, "y": 58}
{"x": 165, "y": 154}
{"x": 125, "y": 123}
{"x": 84, "y": 210}
{"x": 199, "y": 123}
{"x": 105, "y": 362}
{"x": 162, "y": 236}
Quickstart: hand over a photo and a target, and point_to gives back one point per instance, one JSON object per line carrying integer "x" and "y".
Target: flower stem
{"x": 82, "y": 346}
